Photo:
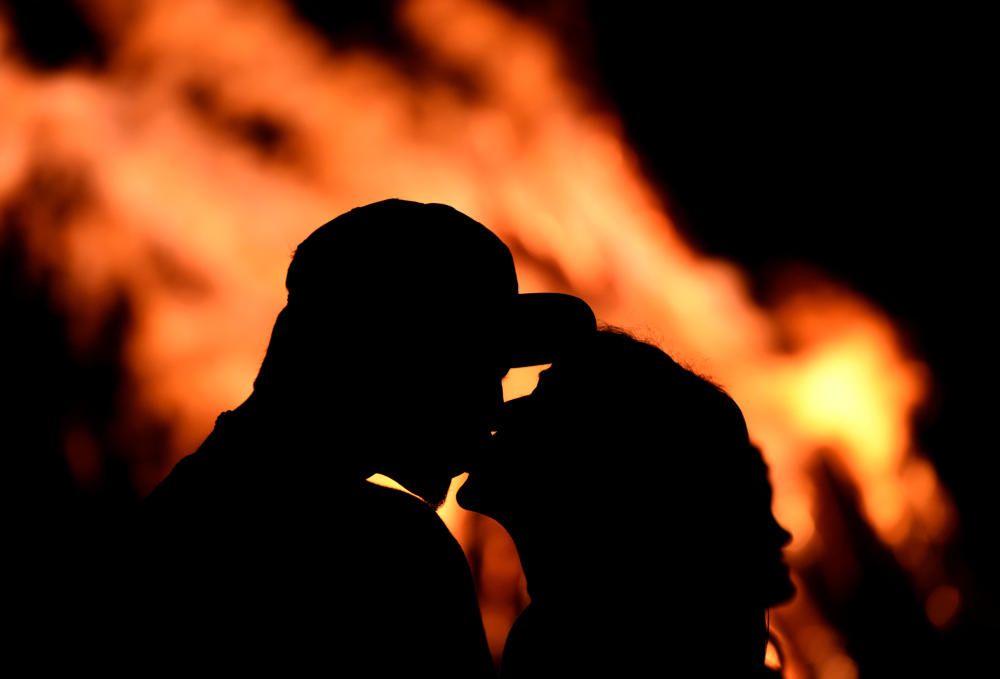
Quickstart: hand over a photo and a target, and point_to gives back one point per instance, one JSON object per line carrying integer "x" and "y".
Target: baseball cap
{"x": 405, "y": 262}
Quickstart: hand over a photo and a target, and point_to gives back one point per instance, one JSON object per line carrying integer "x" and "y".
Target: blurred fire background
{"x": 784, "y": 199}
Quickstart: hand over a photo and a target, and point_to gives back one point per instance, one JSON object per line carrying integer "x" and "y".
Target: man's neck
{"x": 301, "y": 440}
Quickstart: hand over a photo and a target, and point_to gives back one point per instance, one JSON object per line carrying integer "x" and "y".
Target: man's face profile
{"x": 413, "y": 310}
{"x": 451, "y": 410}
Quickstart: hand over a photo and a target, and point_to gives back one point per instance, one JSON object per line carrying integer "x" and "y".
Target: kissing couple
{"x": 639, "y": 506}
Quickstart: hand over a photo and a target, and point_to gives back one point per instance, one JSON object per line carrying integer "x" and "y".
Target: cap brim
{"x": 547, "y": 324}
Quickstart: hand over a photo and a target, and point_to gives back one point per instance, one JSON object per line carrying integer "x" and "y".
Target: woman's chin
{"x": 781, "y": 589}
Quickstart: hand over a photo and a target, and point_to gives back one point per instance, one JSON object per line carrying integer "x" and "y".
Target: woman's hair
{"x": 656, "y": 453}
{"x": 630, "y": 398}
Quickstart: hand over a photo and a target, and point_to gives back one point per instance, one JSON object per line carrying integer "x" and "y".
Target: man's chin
{"x": 467, "y": 495}
{"x": 433, "y": 491}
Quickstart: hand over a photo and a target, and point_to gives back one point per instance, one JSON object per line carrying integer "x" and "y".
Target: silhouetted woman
{"x": 642, "y": 515}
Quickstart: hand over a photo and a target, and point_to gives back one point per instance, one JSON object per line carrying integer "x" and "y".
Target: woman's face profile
{"x": 770, "y": 535}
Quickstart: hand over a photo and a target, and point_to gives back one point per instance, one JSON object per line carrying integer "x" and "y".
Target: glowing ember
{"x": 198, "y": 160}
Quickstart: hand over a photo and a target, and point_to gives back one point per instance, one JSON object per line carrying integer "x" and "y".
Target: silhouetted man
{"x": 267, "y": 545}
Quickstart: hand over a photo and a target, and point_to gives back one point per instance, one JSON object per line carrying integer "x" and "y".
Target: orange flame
{"x": 205, "y": 154}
